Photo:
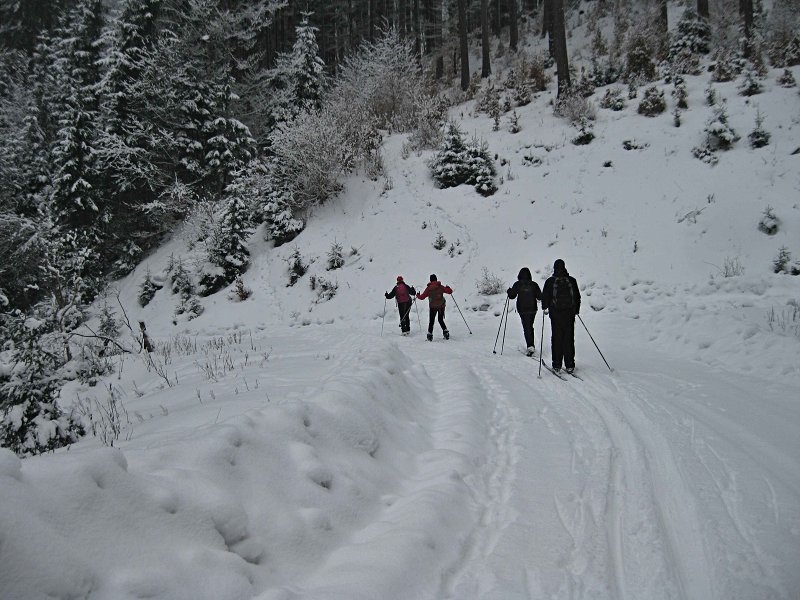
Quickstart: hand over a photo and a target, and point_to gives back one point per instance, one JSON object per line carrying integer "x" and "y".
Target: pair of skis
{"x": 559, "y": 374}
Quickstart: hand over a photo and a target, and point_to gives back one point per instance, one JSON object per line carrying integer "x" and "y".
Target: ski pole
{"x": 503, "y": 343}
{"x": 595, "y": 343}
{"x": 416, "y": 308}
{"x": 497, "y": 337}
{"x": 462, "y": 314}
{"x": 384, "y": 314}
{"x": 541, "y": 347}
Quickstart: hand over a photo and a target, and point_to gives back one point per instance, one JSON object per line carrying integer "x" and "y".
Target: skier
{"x": 527, "y": 292}
{"x": 435, "y": 292}
{"x": 404, "y": 294}
{"x": 562, "y": 299}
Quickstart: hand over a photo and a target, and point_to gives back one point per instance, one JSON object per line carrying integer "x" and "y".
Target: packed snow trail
{"x": 640, "y": 484}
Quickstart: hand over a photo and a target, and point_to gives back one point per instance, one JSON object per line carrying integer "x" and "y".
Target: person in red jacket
{"x": 404, "y": 294}
{"x": 435, "y": 292}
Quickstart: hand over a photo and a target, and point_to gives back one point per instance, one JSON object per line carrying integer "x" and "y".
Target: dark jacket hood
{"x": 524, "y": 274}
{"x": 560, "y": 269}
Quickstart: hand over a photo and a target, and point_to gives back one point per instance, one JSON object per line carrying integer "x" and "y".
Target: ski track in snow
{"x": 632, "y": 515}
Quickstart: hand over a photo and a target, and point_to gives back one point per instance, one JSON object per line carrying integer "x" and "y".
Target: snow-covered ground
{"x": 285, "y": 447}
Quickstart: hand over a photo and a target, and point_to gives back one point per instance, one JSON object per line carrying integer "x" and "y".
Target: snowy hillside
{"x": 289, "y": 446}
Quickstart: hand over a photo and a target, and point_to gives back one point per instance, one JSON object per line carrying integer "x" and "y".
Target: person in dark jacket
{"x": 527, "y": 292}
{"x": 404, "y": 294}
{"x": 562, "y": 299}
{"x": 435, "y": 292}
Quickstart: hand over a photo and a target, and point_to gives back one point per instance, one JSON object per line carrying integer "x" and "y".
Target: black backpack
{"x": 526, "y": 295}
{"x": 563, "y": 296}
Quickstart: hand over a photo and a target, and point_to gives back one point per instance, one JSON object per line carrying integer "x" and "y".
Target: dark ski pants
{"x": 434, "y": 312}
{"x": 562, "y": 340}
{"x": 527, "y": 328}
{"x": 405, "y": 315}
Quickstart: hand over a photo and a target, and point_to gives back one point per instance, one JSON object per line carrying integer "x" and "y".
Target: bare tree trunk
{"x": 486, "y": 68}
{"x": 702, "y": 8}
{"x": 513, "y": 25}
{"x": 560, "y": 45}
{"x": 401, "y": 17}
{"x": 417, "y": 30}
{"x": 547, "y": 26}
{"x": 746, "y": 10}
{"x": 462, "y": 43}
{"x": 496, "y": 17}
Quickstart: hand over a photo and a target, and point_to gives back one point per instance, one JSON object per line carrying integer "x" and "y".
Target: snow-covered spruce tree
{"x": 749, "y": 84}
{"x": 480, "y": 167}
{"x": 759, "y": 137}
{"x": 692, "y": 36}
{"x": 781, "y": 262}
{"x": 75, "y": 201}
{"x": 281, "y": 225}
{"x": 147, "y": 290}
{"x": 228, "y": 252}
{"x": 719, "y": 134}
{"x": 298, "y": 76}
{"x": 183, "y": 287}
{"x": 652, "y": 103}
{"x": 680, "y": 93}
{"x": 613, "y": 100}
{"x": 787, "y": 79}
{"x": 639, "y": 64}
{"x": 335, "y": 257}
{"x": 449, "y": 166}
{"x": 32, "y": 422}
{"x": 769, "y": 222}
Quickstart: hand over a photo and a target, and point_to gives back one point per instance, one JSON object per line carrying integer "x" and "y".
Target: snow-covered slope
{"x": 286, "y": 447}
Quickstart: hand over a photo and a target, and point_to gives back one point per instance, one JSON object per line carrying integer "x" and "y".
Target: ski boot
{"x": 430, "y": 337}
{"x": 446, "y": 334}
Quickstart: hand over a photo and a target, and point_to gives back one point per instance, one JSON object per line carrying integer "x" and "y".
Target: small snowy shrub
{"x": 240, "y": 292}
{"x": 732, "y": 267}
{"x": 719, "y": 134}
{"x": 749, "y": 85}
{"x": 440, "y": 242}
{"x": 769, "y": 223}
{"x": 513, "y": 123}
{"x": 574, "y": 107}
{"x": 680, "y": 94}
{"x": 781, "y": 262}
{"x": 147, "y": 290}
{"x": 786, "y": 321}
{"x": 613, "y": 100}
{"x": 297, "y": 267}
{"x": 325, "y": 289}
{"x": 109, "y": 324}
{"x": 787, "y": 79}
{"x": 481, "y": 168}
{"x": 537, "y": 71}
{"x": 585, "y": 133}
{"x": 759, "y": 137}
{"x": 652, "y": 103}
{"x": 676, "y": 117}
{"x": 335, "y": 257}
{"x": 711, "y": 95}
{"x": 489, "y": 283}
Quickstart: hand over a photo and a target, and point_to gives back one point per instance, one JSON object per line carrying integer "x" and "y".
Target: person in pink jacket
{"x": 435, "y": 292}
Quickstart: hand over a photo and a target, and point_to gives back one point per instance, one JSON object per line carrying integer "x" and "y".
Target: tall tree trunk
{"x": 496, "y": 14}
{"x": 547, "y": 26}
{"x": 417, "y": 30}
{"x": 746, "y": 10}
{"x": 513, "y": 25}
{"x": 462, "y": 43}
{"x": 401, "y": 17}
{"x": 486, "y": 68}
{"x": 560, "y": 46}
{"x": 702, "y": 8}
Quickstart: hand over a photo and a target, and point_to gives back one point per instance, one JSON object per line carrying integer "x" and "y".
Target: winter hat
{"x": 399, "y": 278}
{"x": 433, "y": 278}
{"x": 559, "y": 265}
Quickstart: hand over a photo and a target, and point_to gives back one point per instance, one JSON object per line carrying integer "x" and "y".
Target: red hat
{"x": 399, "y": 278}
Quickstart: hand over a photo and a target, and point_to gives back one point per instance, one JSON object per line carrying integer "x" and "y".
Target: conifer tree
{"x": 32, "y": 422}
